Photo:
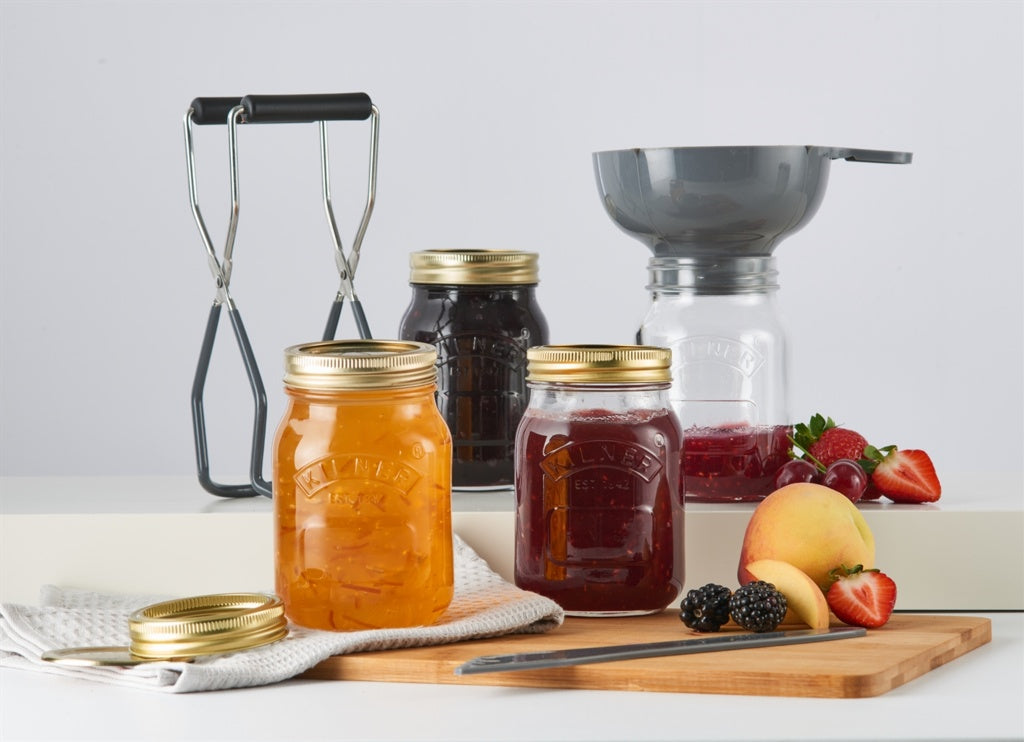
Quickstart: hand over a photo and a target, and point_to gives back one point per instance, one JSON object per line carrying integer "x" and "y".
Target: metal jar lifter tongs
{"x": 276, "y": 109}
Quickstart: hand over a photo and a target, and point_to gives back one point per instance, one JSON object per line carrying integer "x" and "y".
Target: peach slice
{"x": 805, "y": 598}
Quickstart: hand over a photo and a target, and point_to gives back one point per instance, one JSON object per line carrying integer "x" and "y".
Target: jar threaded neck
{"x": 710, "y": 276}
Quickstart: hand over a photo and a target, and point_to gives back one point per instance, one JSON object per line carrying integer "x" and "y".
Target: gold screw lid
{"x": 473, "y": 267}
{"x": 206, "y": 624}
{"x": 599, "y": 364}
{"x": 340, "y": 365}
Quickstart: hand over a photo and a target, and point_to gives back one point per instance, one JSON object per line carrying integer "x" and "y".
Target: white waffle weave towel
{"x": 484, "y": 605}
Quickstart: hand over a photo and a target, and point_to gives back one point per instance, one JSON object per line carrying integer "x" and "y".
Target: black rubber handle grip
{"x": 212, "y": 110}
{"x": 293, "y": 109}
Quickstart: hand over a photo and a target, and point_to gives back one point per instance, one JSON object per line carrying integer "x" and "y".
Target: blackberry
{"x": 706, "y": 609}
{"x": 757, "y": 606}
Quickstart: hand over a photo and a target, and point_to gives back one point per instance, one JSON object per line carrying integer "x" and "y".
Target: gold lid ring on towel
{"x": 187, "y": 628}
{"x": 207, "y": 624}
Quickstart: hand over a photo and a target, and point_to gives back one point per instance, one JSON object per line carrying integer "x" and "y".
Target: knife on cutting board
{"x": 590, "y": 655}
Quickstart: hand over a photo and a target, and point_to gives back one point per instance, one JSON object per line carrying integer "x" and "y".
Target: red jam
{"x": 599, "y": 516}
{"x": 731, "y": 464}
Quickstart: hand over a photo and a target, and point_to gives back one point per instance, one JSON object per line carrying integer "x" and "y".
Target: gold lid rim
{"x": 352, "y": 365}
{"x": 473, "y": 267}
{"x": 206, "y": 624}
{"x": 599, "y": 364}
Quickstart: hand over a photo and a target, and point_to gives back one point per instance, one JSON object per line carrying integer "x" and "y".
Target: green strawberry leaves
{"x": 873, "y": 457}
{"x": 807, "y": 434}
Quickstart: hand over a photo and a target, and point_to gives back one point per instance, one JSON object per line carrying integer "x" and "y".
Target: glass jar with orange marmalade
{"x": 362, "y": 487}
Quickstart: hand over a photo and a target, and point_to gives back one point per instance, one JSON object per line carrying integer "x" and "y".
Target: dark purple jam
{"x": 481, "y": 334}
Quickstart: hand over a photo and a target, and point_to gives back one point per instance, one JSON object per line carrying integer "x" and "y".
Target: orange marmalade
{"x": 362, "y": 483}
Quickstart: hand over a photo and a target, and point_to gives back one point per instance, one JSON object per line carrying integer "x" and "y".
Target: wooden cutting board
{"x": 905, "y": 648}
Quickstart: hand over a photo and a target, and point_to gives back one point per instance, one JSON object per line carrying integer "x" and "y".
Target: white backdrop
{"x": 902, "y": 297}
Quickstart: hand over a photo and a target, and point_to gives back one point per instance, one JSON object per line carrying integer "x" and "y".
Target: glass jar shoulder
{"x": 557, "y": 410}
{"x": 440, "y": 311}
{"x": 672, "y": 316}
{"x": 368, "y": 422}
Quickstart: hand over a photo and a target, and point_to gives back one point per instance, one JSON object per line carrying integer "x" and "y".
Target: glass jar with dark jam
{"x": 599, "y": 510}
{"x": 479, "y": 309}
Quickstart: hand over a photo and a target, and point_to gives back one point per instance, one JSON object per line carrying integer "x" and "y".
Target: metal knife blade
{"x": 589, "y": 655}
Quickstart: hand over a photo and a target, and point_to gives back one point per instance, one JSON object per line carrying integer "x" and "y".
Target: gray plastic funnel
{"x": 719, "y": 201}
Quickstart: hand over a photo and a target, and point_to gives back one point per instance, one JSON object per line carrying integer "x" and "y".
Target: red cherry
{"x": 795, "y": 470}
{"x": 846, "y": 477}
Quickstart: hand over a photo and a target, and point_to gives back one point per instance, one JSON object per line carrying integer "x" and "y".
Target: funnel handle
{"x": 871, "y": 155}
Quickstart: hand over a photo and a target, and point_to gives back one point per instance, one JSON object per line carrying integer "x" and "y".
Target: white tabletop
{"x": 977, "y": 696}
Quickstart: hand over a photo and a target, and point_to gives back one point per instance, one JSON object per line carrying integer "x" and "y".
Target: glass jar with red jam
{"x": 479, "y": 309}
{"x": 599, "y": 512}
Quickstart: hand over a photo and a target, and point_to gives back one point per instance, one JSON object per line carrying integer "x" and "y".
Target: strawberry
{"x": 861, "y": 597}
{"x": 902, "y": 476}
{"x": 827, "y": 442}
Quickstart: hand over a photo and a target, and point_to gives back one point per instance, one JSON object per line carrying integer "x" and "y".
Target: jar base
{"x": 712, "y": 499}
{"x": 611, "y": 614}
{"x": 483, "y": 488}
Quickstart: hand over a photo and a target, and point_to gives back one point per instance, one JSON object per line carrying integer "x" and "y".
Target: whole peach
{"x": 812, "y": 527}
